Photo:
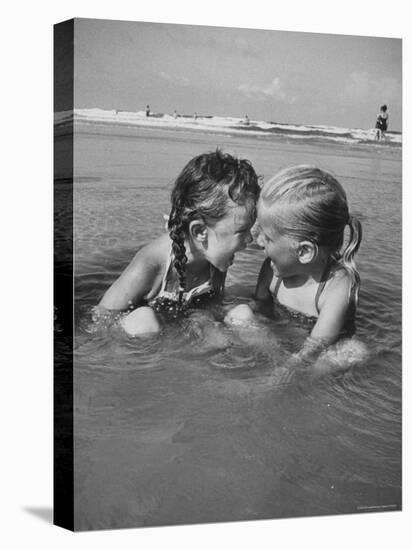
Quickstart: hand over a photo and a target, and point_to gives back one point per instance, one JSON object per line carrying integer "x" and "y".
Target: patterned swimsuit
{"x": 167, "y": 301}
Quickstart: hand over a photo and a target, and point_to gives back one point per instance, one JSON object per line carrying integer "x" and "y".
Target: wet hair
{"x": 384, "y": 108}
{"x": 309, "y": 204}
{"x": 202, "y": 192}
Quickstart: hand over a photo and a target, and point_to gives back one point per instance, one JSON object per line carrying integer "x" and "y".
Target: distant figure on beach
{"x": 175, "y": 115}
{"x": 212, "y": 212}
{"x": 195, "y": 116}
{"x": 309, "y": 277}
{"x": 147, "y": 110}
{"x": 247, "y": 121}
{"x": 382, "y": 123}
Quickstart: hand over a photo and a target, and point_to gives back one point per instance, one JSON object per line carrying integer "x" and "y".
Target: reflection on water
{"x": 189, "y": 426}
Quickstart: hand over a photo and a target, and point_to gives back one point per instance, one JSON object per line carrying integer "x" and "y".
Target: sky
{"x": 278, "y": 76}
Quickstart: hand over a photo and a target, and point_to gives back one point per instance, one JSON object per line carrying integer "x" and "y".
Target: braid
{"x": 177, "y": 235}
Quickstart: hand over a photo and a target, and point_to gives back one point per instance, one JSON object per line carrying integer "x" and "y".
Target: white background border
{"x": 26, "y": 270}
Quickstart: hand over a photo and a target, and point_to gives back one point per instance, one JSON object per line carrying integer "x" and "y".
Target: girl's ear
{"x": 198, "y": 230}
{"x": 307, "y": 252}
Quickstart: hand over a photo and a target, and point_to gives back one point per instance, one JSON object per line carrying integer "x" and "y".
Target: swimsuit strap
{"x": 193, "y": 291}
{"x": 321, "y": 286}
{"x": 166, "y": 272}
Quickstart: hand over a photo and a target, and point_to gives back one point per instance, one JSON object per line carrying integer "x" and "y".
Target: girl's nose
{"x": 260, "y": 240}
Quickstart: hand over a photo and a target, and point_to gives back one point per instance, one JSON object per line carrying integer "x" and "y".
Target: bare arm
{"x": 138, "y": 280}
{"x": 334, "y": 307}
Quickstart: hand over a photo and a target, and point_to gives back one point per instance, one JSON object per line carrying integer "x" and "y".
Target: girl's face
{"x": 229, "y": 235}
{"x": 281, "y": 249}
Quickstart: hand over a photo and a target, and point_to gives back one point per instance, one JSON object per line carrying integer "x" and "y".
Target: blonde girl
{"x": 309, "y": 273}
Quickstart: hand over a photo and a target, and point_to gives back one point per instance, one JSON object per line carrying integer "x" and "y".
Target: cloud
{"x": 165, "y": 75}
{"x": 179, "y": 81}
{"x": 362, "y": 85}
{"x": 273, "y": 90}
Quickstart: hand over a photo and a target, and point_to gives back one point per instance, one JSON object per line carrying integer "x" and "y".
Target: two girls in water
{"x": 309, "y": 273}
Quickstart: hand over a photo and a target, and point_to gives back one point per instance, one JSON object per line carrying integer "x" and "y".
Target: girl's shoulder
{"x": 338, "y": 283}
{"x": 338, "y": 275}
{"x": 154, "y": 255}
{"x": 141, "y": 279}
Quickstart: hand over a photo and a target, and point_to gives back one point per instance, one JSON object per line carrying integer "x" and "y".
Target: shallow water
{"x": 181, "y": 429}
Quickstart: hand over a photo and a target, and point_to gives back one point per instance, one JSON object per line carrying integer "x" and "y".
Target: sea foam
{"x": 229, "y": 125}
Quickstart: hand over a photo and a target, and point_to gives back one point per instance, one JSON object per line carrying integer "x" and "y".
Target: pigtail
{"x": 177, "y": 236}
{"x": 347, "y": 257}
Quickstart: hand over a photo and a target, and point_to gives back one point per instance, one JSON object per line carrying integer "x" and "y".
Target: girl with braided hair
{"x": 213, "y": 210}
{"x": 309, "y": 274}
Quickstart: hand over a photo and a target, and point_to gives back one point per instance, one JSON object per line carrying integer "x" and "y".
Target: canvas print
{"x": 227, "y": 274}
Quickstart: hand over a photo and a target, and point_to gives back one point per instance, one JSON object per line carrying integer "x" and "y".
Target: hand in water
{"x": 210, "y": 332}
{"x": 241, "y": 315}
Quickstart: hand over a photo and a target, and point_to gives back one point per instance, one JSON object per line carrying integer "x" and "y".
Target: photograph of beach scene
{"x": 197, "y": 423}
